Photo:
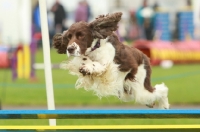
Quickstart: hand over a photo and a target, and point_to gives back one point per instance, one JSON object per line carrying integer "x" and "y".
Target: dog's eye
{"x": 69, "y": 36}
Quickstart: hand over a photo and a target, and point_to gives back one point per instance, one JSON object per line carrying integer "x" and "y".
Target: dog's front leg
{"x": 89, "y": 67}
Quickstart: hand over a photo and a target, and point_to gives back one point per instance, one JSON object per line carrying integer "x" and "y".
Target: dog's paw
{"x": 163, "y": 103}
{"x": 85, "y": 70}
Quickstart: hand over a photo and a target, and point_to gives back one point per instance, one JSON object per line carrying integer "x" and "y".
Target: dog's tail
{"x": 161, "y": 92}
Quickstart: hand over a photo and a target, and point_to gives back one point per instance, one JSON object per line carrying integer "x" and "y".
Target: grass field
{"x": 182, "y": 80}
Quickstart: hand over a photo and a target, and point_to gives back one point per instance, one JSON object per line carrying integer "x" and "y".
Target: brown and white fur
{"x": 105, "y": 65}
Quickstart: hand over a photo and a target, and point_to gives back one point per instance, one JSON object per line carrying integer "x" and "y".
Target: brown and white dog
{"x": 105, "y": 65}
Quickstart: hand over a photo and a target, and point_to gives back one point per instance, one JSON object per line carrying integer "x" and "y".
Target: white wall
{"x": 9, "y": 28}
{"x": 196, "y": 9}
{"x": 15, "y": 22}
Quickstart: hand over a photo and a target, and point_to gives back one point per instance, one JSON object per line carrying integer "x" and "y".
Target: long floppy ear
{"x": 60, "y": 43}
{"x": 104, "y": 25}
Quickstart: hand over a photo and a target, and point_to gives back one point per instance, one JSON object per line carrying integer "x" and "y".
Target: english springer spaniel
{"x": 105, "y": 65}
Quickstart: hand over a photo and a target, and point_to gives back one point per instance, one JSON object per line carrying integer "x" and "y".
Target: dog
{"x": 107, "y": 66}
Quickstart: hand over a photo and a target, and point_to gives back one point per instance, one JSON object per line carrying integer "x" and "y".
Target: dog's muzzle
{"x": 73, "y": 50}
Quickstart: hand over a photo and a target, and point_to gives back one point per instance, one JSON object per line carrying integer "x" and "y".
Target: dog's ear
{"x": 60, "y": 43}
{"x": 104, "y": 25}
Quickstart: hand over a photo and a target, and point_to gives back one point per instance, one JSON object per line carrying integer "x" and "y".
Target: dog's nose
{"x": 70, "y": 49}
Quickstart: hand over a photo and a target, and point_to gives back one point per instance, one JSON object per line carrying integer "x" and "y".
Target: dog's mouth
{"x": 75, "y": 54}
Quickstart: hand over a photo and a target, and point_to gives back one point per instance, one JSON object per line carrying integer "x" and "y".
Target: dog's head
{"x": 80, "y": 35}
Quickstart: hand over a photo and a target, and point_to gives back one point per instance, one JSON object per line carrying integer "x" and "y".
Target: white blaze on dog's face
{"x": 73, "y": 50}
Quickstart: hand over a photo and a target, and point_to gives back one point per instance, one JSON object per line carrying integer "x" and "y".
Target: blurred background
{"x": 168, "y": 31}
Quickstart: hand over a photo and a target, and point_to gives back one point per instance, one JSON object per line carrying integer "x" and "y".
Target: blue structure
{"x": 185, "y": 25}
{"x": 161, "y": 24}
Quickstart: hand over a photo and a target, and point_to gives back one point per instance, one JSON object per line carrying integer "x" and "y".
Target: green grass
{"x": 55, "y": 57}
{"x": 102, "y": 122}
{"x": 182, "y": 80}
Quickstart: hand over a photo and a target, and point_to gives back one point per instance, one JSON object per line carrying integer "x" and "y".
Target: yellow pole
{"x": 27, "y": 62}
{"x": 20, "y": 64}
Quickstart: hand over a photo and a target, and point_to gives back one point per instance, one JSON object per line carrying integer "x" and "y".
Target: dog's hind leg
{"x": 161, "y": 91}
{"x": 147, "y": 80}
{"x": 145, "y": 97}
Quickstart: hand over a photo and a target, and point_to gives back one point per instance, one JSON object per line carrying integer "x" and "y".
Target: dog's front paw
{"x": 84, "y": 70}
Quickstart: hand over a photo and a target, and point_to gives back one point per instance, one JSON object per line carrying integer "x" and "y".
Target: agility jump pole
{"x": 104, "y": 127}
{"x": 100, "y": 114}
{"x": 47, "y": 59}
